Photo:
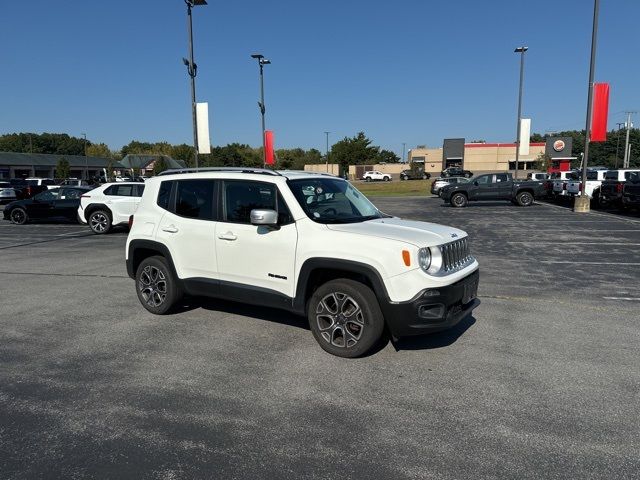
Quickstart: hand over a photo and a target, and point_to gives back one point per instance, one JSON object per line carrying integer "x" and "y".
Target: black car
{"x": 456, "y": 172}
{"x": 631, "y": 191}
{"x": 56, "y": 203}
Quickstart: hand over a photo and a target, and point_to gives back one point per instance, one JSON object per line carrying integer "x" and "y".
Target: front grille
{"x": 455, "y": 255}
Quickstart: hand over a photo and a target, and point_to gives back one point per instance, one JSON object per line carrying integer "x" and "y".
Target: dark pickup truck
{"x": 493, "y": 186}
{"x": 631, "y": 191}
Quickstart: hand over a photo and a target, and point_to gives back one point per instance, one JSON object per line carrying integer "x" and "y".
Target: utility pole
{"x": 619, "y": 125}
{"x": 262, "y": 62}
{"x": 625, "y": 163}
{"x": 521, "y": 51}
{"x": 86, "y": 164}
{"x": 327, "y": 151}
{"x": 403, "y": 149}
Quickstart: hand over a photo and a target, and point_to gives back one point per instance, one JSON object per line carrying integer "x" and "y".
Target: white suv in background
{"x": 109, "y": 205}
{"x": 376, "y": 175}
{"x": 300, "y": 241}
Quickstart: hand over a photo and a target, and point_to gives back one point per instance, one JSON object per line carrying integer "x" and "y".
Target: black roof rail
{"x": 261, "y": 171}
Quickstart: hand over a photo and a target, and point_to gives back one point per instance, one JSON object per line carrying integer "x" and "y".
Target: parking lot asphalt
{"x": 542, "y": 382}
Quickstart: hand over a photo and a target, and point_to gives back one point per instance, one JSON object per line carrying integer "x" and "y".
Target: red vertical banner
{"x": 600, "y": 112}
{"x": 268, "y": 146}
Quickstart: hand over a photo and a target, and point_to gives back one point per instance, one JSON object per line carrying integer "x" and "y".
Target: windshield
{"x": 330, "y": 200}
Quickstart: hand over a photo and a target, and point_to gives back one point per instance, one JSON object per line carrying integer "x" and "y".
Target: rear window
{"x": 611, "y": 175}
{"x": 48, "y": 182}
{"x": 194, "y": 199}
{"x": 164, "y": 194}
{"x": 628, "y": 175}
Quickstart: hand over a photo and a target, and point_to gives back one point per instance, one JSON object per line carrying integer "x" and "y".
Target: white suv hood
{"x": 420, "y": 234}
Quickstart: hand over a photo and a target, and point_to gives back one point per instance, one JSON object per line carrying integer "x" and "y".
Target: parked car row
{"x": 101, "y": 208}
{"x": 606, "y": 188}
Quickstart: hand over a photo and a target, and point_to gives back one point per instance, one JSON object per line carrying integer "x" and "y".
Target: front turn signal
{"x": 406, "y": 256}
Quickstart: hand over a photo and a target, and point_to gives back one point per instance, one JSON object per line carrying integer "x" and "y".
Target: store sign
{"x": 558, "y": 145}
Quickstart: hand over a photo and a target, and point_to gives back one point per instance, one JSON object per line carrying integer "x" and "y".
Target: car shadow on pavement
{"x": 505, "y": 204}
{"x": 236, "y": 308}
{"x": 435, "y": 340}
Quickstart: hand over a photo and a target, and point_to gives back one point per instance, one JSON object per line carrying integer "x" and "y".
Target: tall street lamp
{"x": 521, "y": 51}
{"x": 192, "y": 71}
{"x": 581, "y": 202}
{"x": 262, "y": 62}
{"x": 327, "y": 151}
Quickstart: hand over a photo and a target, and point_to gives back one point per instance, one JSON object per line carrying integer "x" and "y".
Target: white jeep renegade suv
{"x": 308, "y": 243}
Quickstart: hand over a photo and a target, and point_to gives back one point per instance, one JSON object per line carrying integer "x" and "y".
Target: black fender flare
{"x": 96, "y": 206}
{"x": 322, "y": 263}
{"x": 140, "y": 249}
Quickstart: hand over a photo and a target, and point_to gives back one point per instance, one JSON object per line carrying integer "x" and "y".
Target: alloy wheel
{"x": 340, "y": 320}
{"x": 99, "y": 222}
{"x": 18, "y": 216}
{"x": 153, "y": 286}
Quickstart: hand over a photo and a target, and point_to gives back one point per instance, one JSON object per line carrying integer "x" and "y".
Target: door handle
{"x": 227, "y": 236}
{"x": 170, "y": 229}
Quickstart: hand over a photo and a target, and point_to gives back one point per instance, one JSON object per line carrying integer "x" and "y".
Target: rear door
{"x": 67, "y": 203}
{"x": 188, "y": 226}
{"x": 121, "y": 200}
{"x": 503, "y": 186}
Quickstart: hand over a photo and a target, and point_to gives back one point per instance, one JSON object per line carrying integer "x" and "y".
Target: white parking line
{"x": 586, "y": 263}
{"x": 532, "y": 242}
{"x": 628, "y": 299}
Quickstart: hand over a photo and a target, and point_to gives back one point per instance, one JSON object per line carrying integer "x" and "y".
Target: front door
{"x": 256, "y": 259}
{"x": 484, "y": 188}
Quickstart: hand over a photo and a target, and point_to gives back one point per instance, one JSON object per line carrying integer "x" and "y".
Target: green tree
{"x": 62, "y": 168}
{"x": 354, "y": 151}
{"x": 99, "y": 150}
{"x": 387, "y": 156}
{"x": 183, "y": 152}
{"x": 159, "y": 166}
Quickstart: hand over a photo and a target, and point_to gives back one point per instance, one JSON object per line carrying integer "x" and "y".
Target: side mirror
{"x": 265, "y": 217}
{"x": 475, "y": 183}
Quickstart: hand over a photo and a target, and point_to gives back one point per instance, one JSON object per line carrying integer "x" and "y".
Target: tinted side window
{"x": 70, "y": 193}
{"x": 111, "y": 190}
{"x": 164, "y": 194}
{"x": 611, "y": 175}
{"x": 242, "y": 197}
{"x": 48, "y": 182}
{"x": 484, "y": 180}
{"x": 194, "y": 199}
{"x": 501, "y": 177}
{"x": 139, "y": 190}
{"x": 125, "y": 190}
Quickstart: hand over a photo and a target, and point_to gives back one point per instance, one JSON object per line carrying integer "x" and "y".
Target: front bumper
{"x": 433, "y": 309}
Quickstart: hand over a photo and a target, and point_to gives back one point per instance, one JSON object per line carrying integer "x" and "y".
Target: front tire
{"x": 525, "y": 199}
{"x": 368, "y": 179}
{"x": 156, "y": 286}
{"x": 19, "y": 216}
{"x": 100, "y": 222}
{"x": 345, "y": 318}
{"x": 386, "y": 179}
{"x": 459, "y": 200}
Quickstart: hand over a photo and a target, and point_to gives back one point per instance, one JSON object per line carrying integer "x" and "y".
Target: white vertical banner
{"x": 525, "y": 135}
{"x": 202, "y": 119}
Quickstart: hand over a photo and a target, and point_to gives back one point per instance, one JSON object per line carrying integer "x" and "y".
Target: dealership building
{"x": 476, "y": 157}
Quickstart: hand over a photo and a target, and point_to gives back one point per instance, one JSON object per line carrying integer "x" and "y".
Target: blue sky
{"x": 410, "y": 71}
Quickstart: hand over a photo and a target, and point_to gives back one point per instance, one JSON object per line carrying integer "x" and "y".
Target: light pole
{"x": 327, "y": 151}
{"x": 403, "y": 149}
{"x": 627, "y": 151}
{"x": 262, "y": 62}
{"x": 192, "y": 71}
{"x": 581, "y": 203}
{"x": 521, "y": 51}
{"x": 86, "y": 164}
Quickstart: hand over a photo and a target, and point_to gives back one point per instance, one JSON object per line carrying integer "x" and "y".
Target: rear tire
{"x": 100, "y": 222}
{"x": 345, "y": 318}
{"x": 156, "y": 286}
{"x": 525, "y": 199}
{"x": 459, "y": 200}
{"x": 368, "y": 179}
{"x": 19, "y": 216}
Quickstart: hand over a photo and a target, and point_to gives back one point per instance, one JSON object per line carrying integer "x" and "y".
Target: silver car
{"x": 439, "y": 182}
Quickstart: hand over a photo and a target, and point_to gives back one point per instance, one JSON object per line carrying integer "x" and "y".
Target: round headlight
{"x": 424, "y": 258}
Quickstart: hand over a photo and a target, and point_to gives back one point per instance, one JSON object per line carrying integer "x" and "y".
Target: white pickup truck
{"x": 594, "y": 181}
{"x": 560, "y": 180}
